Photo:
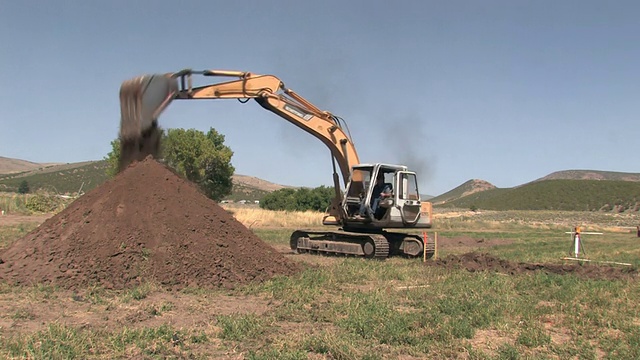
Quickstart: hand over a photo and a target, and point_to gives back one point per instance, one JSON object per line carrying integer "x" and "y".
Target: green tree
{"x": 23, "y": 188}
{"x": 112, "y": 158}
{"x": 316, "y": 199}
{"x": 201, "y": 158}
{"x": 217, "y": 181}
{"x": 282, "y": 199}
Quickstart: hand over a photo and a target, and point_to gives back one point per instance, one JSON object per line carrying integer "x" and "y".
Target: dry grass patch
{"x": 489, "y": 341}
{"x": 253, "y": 217}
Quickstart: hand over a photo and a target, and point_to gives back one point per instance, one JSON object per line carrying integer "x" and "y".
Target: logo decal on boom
{"x": 298, "y": 112}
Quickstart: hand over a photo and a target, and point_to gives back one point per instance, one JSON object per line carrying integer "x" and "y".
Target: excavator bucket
{"x": 142, "y": 99}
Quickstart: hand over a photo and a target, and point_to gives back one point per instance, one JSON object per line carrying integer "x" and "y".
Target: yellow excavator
{"x": 375, "y": 197}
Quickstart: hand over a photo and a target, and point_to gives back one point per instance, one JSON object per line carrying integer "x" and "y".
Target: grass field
{"x": 346, "y": 308}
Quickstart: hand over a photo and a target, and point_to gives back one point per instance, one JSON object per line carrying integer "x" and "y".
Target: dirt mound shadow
{"x": 146, "y": 224}
{"x": 475, "y": 261}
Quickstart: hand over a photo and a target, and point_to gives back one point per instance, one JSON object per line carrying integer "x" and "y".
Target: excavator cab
{"x": 384, "y": 196}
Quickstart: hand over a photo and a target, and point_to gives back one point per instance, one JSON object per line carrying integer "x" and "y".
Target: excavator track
{"x": 410, "y": 245}
{"x": 369, "y": 245}
{"x": 340, "y": 243}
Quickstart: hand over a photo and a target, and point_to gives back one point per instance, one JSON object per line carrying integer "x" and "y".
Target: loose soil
{"x": 467, "y": 243}
{"x": 476, "y": 261}
{"x": 146, "y": 225}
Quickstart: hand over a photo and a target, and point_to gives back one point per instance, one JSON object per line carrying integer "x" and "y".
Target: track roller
{"x": 340, "y": 243}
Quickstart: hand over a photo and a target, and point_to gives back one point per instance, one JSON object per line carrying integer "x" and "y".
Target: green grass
{"x": 54, "y": 342}
{"x": 435, "y": 321}
{"x": 138, "y": 292}
{"x": 151, "y": 341}
{"x": 349, "y": 308}
{"x": 241, "y": 326}
{"x": 8, "y": 234}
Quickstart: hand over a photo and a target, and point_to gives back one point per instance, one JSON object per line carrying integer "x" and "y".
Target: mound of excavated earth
{"x": 146, "y": 224}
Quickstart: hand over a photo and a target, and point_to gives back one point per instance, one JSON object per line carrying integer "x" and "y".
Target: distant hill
{"x": 578, "y": 190}
{"x": 252, "y": 181}
{"x": 69, "y": 178}
{"x": 574, "y": 195}
{"x": 251, "y": 188}
{"x": 582, "y": 190}
{"x": 9, "y": 165}
{"x": 61, "y": 179}
{"x": 468, "y": 188}
{"x": 591, "y": 175}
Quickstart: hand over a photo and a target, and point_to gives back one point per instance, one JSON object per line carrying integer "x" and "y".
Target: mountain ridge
{"x": 89, "y": 174}
{"x": 68, "y": 178}
{"x": 11, "y": 165}
{"x": 590, "y": 175}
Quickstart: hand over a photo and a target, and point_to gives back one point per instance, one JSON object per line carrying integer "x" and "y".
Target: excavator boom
{"x": 145, "y": 97}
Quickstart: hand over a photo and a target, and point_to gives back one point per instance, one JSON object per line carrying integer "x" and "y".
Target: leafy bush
{"x": 24, "y": 187}
{"x": 42, "y": 203}
{"x": 303, "y": 199}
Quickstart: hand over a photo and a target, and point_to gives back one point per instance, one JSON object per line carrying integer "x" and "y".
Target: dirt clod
{"x": 146, "y": 224}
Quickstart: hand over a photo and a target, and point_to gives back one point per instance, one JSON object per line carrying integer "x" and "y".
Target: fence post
{"x": 435, "y": 246}
{"x": 424, "y": 245}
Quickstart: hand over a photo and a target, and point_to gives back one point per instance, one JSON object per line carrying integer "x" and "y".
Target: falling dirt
{"x": 146, "y": 224}
{"x": 475, "y": 261}
{"x": 138, "y": 148}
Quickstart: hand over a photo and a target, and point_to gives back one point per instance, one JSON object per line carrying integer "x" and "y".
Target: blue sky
{"x": 505, "y": 91}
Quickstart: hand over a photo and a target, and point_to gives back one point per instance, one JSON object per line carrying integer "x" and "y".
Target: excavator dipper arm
{"x": 271, "y": 94}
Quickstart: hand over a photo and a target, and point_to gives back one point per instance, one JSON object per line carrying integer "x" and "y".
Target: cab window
{"x": 409, "y": 187}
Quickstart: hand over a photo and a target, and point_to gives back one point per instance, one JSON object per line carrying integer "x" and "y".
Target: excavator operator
{"x": 381, "y": 191}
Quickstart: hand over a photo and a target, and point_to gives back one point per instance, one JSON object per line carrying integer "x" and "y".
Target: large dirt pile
{"x": 146, "y": 224}
{"x": 475, "y": 261}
